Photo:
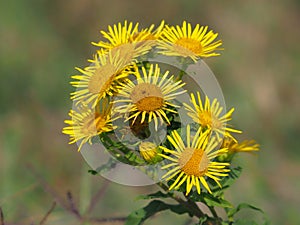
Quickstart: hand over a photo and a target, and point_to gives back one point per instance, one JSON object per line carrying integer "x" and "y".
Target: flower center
{"x": 209, "y": 120}
{"x": 194, "y": 162}
{"x": 93, "y": 123}
{"x": 205, "y": 118}
{"x": 125, "y": 51}
{"x": 147, "y": 97}
{"x": 190, "y": 44}
{"x": 102, "y": 79}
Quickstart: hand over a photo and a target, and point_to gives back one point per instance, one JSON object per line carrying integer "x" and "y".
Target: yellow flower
{"x": 149, "y": 97}
{"x": 192, "y": 162}
{"x": 244, "y": 146}
{"x": 100, "y": 79}
{"x": 208, "y": 115}
{"x": 86, "y": 124}
{"x": 187, "y": 42}
{"x": 148, "y": 34}
{"x": 148, "y": 150}
{"x": 129, "y": 40}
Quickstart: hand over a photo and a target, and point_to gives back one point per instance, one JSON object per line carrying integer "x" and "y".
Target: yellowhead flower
{"x": 208, "y": 115}
{"x": 244, "y": 146}
{"x": 128, "y": 40}
{"x": 148, "y": 34}
{"x": 193, "y": 162}
{"x": 100, "y": 78}
{"x": 149, "y": 97}
{"x": 86, "y": 123}
{"x": 148, "y": 150}
{"x": 187, "y": 42}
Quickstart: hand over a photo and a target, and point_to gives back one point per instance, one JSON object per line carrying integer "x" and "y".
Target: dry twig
{"x": 47, "y": 187}
{"x": 1, "y": 217}
{"x": 48, "y": 213}
{"x": 97, "y": 196}
{"x": 72, "y": 207}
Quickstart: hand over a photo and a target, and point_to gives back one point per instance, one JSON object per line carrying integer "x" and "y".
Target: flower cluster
{"x": 120, "y": 84}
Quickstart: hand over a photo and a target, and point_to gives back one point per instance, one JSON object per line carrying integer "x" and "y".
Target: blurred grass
{"x": 42, "y": 41}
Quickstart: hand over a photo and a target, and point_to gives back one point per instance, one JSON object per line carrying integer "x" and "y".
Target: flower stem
{"x": 190, "y": 205}
{"x": 215, "y": 215}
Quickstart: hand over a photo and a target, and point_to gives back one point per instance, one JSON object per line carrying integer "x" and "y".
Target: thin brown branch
{"x": 19, "y": 193}
{"x": 107, "y": 220}
{"x": 48, "y": 213}
{"x": 47, "y": 187}
{"x": 97, "y": 196}
{"x": 1, "y": 217}
{"x": 72, "y": 205}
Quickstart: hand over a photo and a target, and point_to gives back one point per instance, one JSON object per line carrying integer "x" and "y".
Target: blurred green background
{"x": 42, "y": 41}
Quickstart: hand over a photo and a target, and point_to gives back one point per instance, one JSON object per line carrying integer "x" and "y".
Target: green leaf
{"x": 211, "y": 200}
{"x": 226, "y": 223}
{"x": 119, "y": 150}
{"x": 226, "y": 182}
{"x": 139, "y": 216}
{"x": 250, "y": 222}
{"x": 133, "y": 158}
{"x": 205, "y": 220}
{"x": 245, "y": 222}
{"x": 158, "y": 194}
{"x": 110, "y": 164}
{"x": 232, "y": 212}
{"x": 202, "y": 220}
{"x": 93, "y": 172}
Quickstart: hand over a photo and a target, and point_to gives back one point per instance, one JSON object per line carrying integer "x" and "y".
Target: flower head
{"x": 244, "y": 146}
{"x": 128, "y": 40}
{"x": 149, "y": 34}
{"x": 149, "y": 151}
{"x": 187, "y": 42}
{"x": 100, "y": 79}
{"x": 86, "y": 124}
{"x": 150, "y": 97}
{"x": 208, "y": 115}
{"x": 193, "y": 162}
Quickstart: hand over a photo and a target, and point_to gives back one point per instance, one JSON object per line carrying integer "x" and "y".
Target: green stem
{"x": 180, "y": 75}
{"x": 185, "y": 65}
{"x": 190, "y": 205}
{"x": 213, "y": 211}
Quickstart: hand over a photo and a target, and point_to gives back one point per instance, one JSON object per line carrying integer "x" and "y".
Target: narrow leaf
{"x": 139, "y": 216}
{"x": 158, "y": 194}
{"x": 241, "y": 206}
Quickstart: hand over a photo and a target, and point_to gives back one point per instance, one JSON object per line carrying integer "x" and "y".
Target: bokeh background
{"x": 42, "y": 41}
